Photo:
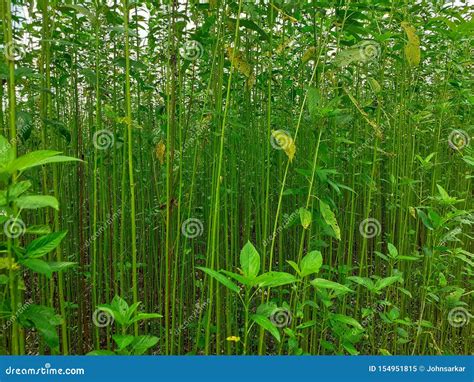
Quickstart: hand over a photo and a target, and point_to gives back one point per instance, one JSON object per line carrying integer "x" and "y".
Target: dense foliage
{"x": 263, "y": 177}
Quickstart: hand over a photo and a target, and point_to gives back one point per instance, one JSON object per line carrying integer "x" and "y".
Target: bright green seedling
{"x": 250, "y": 279}
{"x": 124, "y": 316}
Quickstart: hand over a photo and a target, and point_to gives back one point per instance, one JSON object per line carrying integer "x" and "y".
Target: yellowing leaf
{"x": 286, "y": 142}
{"x": 305, "y": 217}
{"x": 310, "y": 54}
{"x": 160, "y": 150}
{"x": 280, "y": 48}
{"x": 412, "y": 48}
{"x": 330, "y": 218}
{"x": 233, "y": 338}
{"x": 239, "y": 62}
{"x": 374, "y": 85}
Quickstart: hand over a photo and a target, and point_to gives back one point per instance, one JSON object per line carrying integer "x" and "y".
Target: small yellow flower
{"x": 233, "y": 338}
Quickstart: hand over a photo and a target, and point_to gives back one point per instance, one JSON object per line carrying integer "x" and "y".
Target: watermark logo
{"x": 281, "y": 140}
{"x": 458, "y": 139}
{"x": 458, "y": 317}
{"x": 13, "y": 52}
{"x": 191, "y": 50}
{"x": 103, "y": 139}
{"x": 369, "y": 50}
{"x": 281, "y": 317}
{"x": 102, "y": 318}
{"x": 192, "y": 228}
{"x": 369, "y": 228}
{"x": 14, "y": 227}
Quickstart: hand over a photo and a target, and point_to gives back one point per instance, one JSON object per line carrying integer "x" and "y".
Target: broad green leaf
{"x": 38, "y": 229}
{"x": 311, "y": 263}
{"x": 220, "y": 278}
{"x": 15, "y": 190}
{"x": 38, "y": 158}
{"x": 58, "y": 266}
{"x": 266, "y": 324}
{"x": 267, "y": 308}
{"x": 249, "y": 260}
{"x": 38, "y": 266}
{"x": 385, "y": 282}
{"x": 274, "y": 279}
{"x": 101, "y": 352}
{"x": 44, "y": 320}
{"x": 121, "y": 306}
{"x": 327, "y": 284}
{"x": 305, "y": 217}
{"x": 122, "y": 340}
{"x": 313, "y": 100}
{"x": 44, "y": 244}
{"x": 365, "y": 281}
{"x": 144, "y": 316}
{"x": 346, "y": 320}
{"x": 241, "y": 279}
{"x": 141, "y": 344}
{"x": 426, "y": 221}
{"x": 392, "y": 250}
{"x": 34, "y": 202}
{"x": 330, "y": 218}
{"x": 6, "y": 153}
{"x": 294, "y": 266}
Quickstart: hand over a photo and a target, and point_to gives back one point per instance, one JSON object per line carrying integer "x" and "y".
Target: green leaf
{"x": 38, "y": 229}
{"x": 34, "y": 202}
{"x": 38, "y": 158}
{"x": 58, "y": 266}
{"x": 311, "y": 263}
{"x": 392, "y": 250}
{"x": 385, "y": 282}
{"x": 266, "y": 324}
{"x": 313, "y": 97}
{"x": 15, "y": 190}
{"x": 365, "y": 281}
{"x": 327, "y": 284}
{"x": 141, "y": 344}
{"x": 122, "y": 340}
{"x": 274, "y": 279}
{"x": 241, "y": 279}
{"x": 144, "y": 316}
{"x": 44, "y": 320}
{"x": 330, "y": 218}
{"x": 101, "y": 352}
{"x": 38, "y": 266}
{"x": 6, "y": 152}
{"x": 249, "y": 260}
{"x": 426, "y": 221}
{"x": 220, "y": 278}
{"x": 346, "y": 320}
{"x": 44, "y": 244}
{"x": 305, "y": 217}
{"x": 294, "y": 266}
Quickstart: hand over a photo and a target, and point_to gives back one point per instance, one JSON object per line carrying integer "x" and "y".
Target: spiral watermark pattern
{"x": 370, "y": 228}
{"x": 103, "y": 139}
{"x": 14, "y": 227}
{"x": 13, "y": 52}
{"x": 281, "y": 139}
{"x": 281, "y": 317}
{"x": 102, "y": 318}
{"x": 369, "y": 50}
{"x": 458, "y": 317}
{"x": 192, "y": 228}
{"x": 458, "y": 139}
{"x": 191, "y": 50}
